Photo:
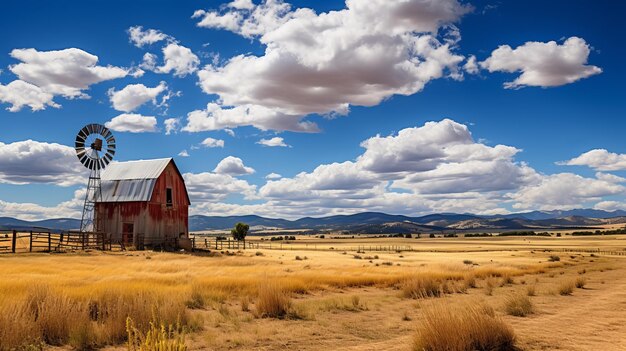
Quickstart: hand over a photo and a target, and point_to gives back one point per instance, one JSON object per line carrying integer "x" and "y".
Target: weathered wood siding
{"x": 154, "y": 222}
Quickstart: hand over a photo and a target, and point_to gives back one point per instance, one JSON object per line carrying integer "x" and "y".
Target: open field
{"x": 308, "y": 296}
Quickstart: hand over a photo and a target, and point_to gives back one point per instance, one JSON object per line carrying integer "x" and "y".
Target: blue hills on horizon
{"x": 364, "y": 221}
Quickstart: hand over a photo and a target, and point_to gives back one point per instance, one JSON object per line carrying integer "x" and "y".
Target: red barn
{"x": 144, "y": 203}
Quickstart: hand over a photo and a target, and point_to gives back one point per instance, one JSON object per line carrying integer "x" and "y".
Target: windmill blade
{"x": 87, "y": 156}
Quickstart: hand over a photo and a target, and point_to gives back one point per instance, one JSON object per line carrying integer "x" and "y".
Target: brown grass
{"x": 518, "y": 305}
{"x": 566, "y": 287}
{"x": 421, "y": 287}
{"x": 46, "y": 315}
{"x": 155, "y": 338}
{"x": 580, "y": 282}
{"x": 273, "y": 301}
{"x": 465, "y": 328}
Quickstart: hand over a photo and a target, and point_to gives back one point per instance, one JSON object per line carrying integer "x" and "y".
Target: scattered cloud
{"x": 30, "y": 162}
{"x": 210, "y": 187}
{"x": 30, "y": 211}
{"x": 215, "y": 117}
{"x": 599, "y": 159}
{"x": 273, "y": 142}
{"x": 610, "y": 205}
{"x": 229, "y": 132}
{"x": 62, "y": 72}
{"x": 210, "y": 143}
{"x": 140, "y": 37}
{"x": 183, "y": 153}
{"x": 132, "y": 122}
{"x": 134, "y": 95}
{"x": 273, "y": 176}
{"x": 566, "y": 190}
{"x": 232, "y": 166}
{"x": 171, "y": 125}
{"x": 471, "y": 66}
{"x": 45, "y": 74}
{"x": 179, "y": 60}
{"x": 543, "y": 64}
{"x": 324, "y": 63}
{"x": 19, "y": 94}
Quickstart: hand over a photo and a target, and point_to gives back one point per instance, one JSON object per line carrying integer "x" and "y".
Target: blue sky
{"x": 356, "y": 73}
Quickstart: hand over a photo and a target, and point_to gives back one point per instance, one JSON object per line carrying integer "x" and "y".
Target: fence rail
{"x": 46, "y": 241}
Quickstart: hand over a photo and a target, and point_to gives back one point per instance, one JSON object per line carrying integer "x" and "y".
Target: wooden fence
{"x": 46, "y": 241}
{"x": 591, "y": 251}
{"x": 229, "y": 244}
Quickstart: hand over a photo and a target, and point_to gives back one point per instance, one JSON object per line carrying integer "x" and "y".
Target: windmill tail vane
{"x": 91, "y": 141}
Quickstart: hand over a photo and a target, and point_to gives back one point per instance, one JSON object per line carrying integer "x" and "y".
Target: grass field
{"x": 320, "y": 294}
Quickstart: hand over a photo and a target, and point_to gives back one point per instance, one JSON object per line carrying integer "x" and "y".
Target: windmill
{"x": 95, "y": 147}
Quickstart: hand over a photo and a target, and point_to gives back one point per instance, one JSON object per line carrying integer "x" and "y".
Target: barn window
{"x": 168, "y": 197}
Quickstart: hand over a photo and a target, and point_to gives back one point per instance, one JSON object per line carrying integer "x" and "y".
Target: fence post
{"x": 30, "y": 245}
{"x": 14, "y": 241}
{"x": 49, "y": 242}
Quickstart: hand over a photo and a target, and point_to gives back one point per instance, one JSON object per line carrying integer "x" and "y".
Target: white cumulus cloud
{"x": 132, "y": 122}
{"x": 543, "y": 64}
{"x": 134, "y": 95}
{"x": 140, "y": 37}
{"x": 179, "y": 60}
{"x": 19, "y": 94}
{"x": 599, "y": 159}
{"x": 29, "y": 161}
{"x": 324, "y": 63}
{"x": 171, "y": 125}
{"x": 211, "y": 142}
{"x": 232, "y": 166}
{"x": 273, "y": 142}
{"x": 45, "y": 74}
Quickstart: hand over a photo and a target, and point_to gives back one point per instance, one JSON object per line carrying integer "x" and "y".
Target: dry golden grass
{"x": 54, "y": 317}
{"x": 580, "y": 282}
{"x": 472, "y": 326}
{"x": 518, "y": 305}
{"x": 82, "y": 300}
{"x": 566, "y": 287}
{"x": 273, "y": 301}
{"x": 155, "y": 338}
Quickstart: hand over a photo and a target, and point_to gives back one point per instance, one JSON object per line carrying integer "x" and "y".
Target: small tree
{"x": 239, "y": 232}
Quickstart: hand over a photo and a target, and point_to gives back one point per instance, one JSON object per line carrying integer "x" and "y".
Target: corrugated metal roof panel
{"x": 142, "y": 169}
{"x": 127, "y": 190}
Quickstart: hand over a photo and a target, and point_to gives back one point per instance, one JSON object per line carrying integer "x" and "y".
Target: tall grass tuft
{"x": 421, "y": 287}
{"x": 273, "y": 301}
{"x": 566, "y": 288}
{"x": 465, "y": 328}
{"x": 155, "y": 338}
{"x": 519, "y": 306}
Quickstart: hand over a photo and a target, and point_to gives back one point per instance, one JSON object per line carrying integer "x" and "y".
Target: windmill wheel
{"x": 95, "y": 146}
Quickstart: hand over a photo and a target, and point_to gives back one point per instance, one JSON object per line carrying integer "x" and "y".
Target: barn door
{"x": 127, "y": 233}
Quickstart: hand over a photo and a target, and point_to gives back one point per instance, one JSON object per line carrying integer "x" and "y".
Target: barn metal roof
{"x": 142, "y": 169}
{"x": 132, "y": 180}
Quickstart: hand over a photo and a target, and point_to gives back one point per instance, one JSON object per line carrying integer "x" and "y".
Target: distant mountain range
{"x": 376, "y": 222}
